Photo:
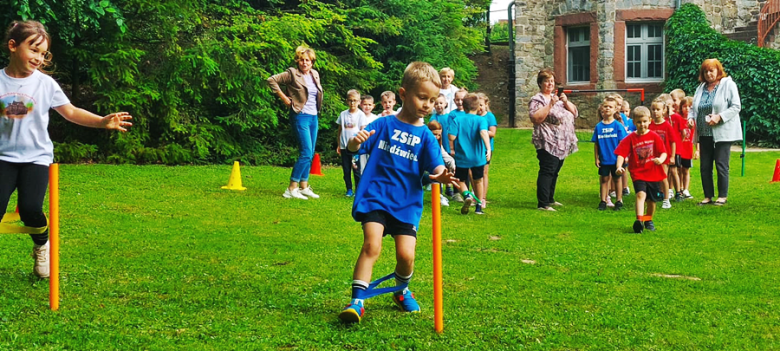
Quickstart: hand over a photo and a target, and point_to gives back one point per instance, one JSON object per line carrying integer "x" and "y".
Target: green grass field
{"x": 161, "y": 258}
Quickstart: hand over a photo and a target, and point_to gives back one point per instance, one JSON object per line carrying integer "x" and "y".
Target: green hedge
{"x": 755, "y": 70}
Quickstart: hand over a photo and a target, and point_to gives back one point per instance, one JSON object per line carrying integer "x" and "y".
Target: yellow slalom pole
{"x": 438, "y": 309}
{"x": 54, "y": 237}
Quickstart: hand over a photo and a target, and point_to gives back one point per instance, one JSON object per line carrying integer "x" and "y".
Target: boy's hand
{"x": 362, "y": 136}
{"x": 598, "y": 163}
{"x": 620, "y": 171}
{"x": 338, "y": 150}
{"x": 671, "y": 161}
{"x": 117, "y": 121}
{"x": 696, "y": 155}
{"x": 657, "y": 160}
{"x": 445, "y": 177}
{"x": 488, "y": 156}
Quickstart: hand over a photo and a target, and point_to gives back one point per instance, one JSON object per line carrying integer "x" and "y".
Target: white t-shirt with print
{"x": 350, "y": 123}
{"x": 24, "y": 122}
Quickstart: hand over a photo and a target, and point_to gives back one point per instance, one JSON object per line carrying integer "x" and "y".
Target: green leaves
{"x": 755, "y": 70}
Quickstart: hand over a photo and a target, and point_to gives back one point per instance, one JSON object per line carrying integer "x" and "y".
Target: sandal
{"x": 720, "y": 203}
{"x": 705, "y": 203}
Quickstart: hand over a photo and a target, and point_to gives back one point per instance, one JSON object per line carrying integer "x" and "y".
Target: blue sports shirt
{"x": 391, "y": 181}
{"x": 608, "y": 136}
{"x": 469, "y": 147}
{"x": 491, "y": 123}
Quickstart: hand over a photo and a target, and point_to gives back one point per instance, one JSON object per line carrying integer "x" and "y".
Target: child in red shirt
{"x": 646, "y": 153}
{"x": 686, "y": 149}
{"x": 679, "y": 125}
{"x": 667, "y": 134}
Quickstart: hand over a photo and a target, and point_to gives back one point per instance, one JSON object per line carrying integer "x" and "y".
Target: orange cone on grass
{"x": 235, "y": 178}
{"x": 316, "y": 168}
{"x": 776, "y": 176}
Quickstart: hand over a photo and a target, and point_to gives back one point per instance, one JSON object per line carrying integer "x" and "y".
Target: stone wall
{"x": 535, "y": 44}
{"x": 774, "y": 41}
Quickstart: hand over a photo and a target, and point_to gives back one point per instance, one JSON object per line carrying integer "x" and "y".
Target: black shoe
{"x": 479, "y": 210}
{"x": 678, "y": 197}
{"x": 626, "y": 191}
{"x": 638, "y": 228}
{"x": 602, "y": 206}
{"x": 618, "y": 205}
{"x": 649, "y": 226}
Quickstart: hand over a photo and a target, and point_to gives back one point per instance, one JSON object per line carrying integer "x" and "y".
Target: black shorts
{"x": 463, "y": 173}
{"x": 652, "y": 189}
{"x": 686, "y": 162}
{"x": 606, "y": 170}
{"x": 677, "y": 161}
{"x": 392, "y": 225}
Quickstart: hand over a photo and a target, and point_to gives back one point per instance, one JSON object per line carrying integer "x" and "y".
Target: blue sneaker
{"x": 650, "y": 226}
{"x": 349, "y": 193}
{"x": 406, "y": 301}
{"x": 353, "y": 313}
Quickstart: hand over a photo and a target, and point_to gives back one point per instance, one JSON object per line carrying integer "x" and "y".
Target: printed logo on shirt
{"x": 403, "y": 138}
{"x": 608, "y": 133}
{"x": 16, "y": 105}
{"x": 644, "y": 151}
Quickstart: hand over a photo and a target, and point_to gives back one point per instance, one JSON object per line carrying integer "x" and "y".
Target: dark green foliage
{"x": 193, "y": 72}
{"x": 755, "y": 70}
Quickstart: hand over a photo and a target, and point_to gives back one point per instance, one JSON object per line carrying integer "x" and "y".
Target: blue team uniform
{"x": 608, "y": 136}
{"x": 391, "y": 181}
{"x": 469, "y": 148}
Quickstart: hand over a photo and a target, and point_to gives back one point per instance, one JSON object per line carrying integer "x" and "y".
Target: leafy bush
{"x": 755, "y": 70}
{"x": 193, "y": 72}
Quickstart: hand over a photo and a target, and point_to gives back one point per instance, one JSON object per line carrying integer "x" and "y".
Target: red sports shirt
{"x": 668, "y": 136}
{"x": 641, "y": 150}
{"x": 685, "y": 147}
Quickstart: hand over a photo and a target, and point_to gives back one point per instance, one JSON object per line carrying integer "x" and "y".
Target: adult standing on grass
{"x": 553, "y": 117}
{"x": 303, "y": 95}
{"x": 716, "y": 106}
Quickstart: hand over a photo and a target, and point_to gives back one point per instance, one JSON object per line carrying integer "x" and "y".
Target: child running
{"x": 389, "y": 200}
{"x": 26, "y": 151}
{"x": 470, "y": 146}
{"x": 606, "y": 136}
{"x": 646, "y": 153}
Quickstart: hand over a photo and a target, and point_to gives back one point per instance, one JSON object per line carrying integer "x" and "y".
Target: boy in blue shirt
{"x": 606, "y": 136}
{"x": 470, "y": 146}
{"x": 389, "y": 200}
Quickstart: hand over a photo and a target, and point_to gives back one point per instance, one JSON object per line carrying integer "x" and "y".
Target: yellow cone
{"x": 235, "y": 179}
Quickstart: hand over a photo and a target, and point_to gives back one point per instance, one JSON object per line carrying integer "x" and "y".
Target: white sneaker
{"x": 612, "y": 194}
{"x": 308, "y": 192}
{"x": 609, "y": 202}
{"x": 671, "y": 193}
{"x": 687, "y": 194}
{"x": 457, "y": 198}
{"x": 666, "y": 204}
{"x": 444, "y": 202}
{"x": 294, "y": 194}
{"x": 41, "y": 255}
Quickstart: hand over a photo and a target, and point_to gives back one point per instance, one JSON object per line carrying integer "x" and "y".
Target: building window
{"x": 645, "y": 52}
{"x": 578, "y": 54}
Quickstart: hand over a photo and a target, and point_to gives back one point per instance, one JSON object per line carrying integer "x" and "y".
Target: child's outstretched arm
{"x": 354, "y": 144}
{"x": 442, "y": 175}
{"x": 117, "y": 121}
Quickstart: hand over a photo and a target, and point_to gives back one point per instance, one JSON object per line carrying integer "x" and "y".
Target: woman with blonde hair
{"x": 303, "y": 96}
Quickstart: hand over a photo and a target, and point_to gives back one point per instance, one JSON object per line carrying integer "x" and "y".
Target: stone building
{"x": 606, "y": 44}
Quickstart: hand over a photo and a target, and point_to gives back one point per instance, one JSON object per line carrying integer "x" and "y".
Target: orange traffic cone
{"x": 316, "y": 168}
{"x": 776, "y": 176}
{"x": 235, "y": 179}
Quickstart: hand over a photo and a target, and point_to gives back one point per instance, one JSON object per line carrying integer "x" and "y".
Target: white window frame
{"x": 579, "y": 43}
{"x": 644, "y": 42}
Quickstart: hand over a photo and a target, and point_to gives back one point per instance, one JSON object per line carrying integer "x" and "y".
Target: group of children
{"x": 461, "y": 122}
{"x": 657, "y": 146}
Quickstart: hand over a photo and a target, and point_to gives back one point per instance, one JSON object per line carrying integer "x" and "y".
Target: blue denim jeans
{"x": 305, "y": 127}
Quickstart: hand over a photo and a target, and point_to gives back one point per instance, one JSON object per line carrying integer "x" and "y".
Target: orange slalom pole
{"x": 54, "y": 237}
{"x": 438, "y": 304}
